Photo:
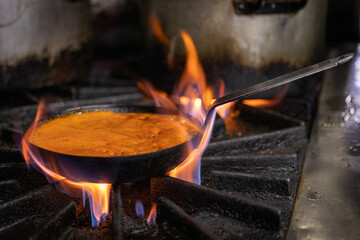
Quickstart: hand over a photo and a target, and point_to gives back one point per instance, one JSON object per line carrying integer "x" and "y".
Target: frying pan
{"x": 115, "y": 169}
{"x": 142, "y": 166}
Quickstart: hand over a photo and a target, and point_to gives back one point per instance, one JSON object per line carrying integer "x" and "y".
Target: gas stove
{"x": 285, "y": 169}
{"x": 249, "y": 179}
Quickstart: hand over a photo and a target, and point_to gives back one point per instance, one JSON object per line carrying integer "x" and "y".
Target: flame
{"x": 189, "y": 169}
{"x": 184, "y": 100}
{"x": 223, "y": 110}
{"x": 98, "y": 193}
{"x": 194, "y": 98}
{"x": 233, "y": 129}
{"x": 157, "y": 30}
{"x": 161, "y": 98}
{"x": 139, "y": 208}
{"x": 261, "y": 103}
{"x": 192, "y": 81}
{"x": 168, "y": 46}
{"x": 40, "y": 112}
{"x": 152, "y": 215}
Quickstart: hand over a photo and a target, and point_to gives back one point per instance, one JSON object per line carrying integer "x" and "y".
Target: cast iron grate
{"x": 249, "y": 182}
{"x": 248, "y": 191}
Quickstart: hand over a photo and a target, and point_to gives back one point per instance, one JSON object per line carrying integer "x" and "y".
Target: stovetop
{"x": 327, "y": 205}
{"x": 248, "y": 185}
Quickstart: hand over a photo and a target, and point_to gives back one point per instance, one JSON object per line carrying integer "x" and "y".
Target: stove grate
{"x": 249, "y": 182}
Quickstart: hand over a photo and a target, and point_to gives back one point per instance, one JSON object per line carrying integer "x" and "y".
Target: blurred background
{"x": 68, "y": 43}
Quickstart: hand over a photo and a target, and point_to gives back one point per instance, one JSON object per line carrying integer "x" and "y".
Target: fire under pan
{"x": 249, "y": 183}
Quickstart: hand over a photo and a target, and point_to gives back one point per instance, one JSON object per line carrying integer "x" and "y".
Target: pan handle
{"x": 275, "y": 82}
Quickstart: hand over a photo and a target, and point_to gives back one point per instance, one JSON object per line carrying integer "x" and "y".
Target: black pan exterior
{"x": 115, "y": 169}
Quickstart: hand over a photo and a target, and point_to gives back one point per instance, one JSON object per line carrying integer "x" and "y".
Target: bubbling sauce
{"x": 109, "y": 134}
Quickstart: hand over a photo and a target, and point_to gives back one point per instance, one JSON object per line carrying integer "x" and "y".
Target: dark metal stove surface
{"x": 249, "y": 181}
{"x": 327, "y": 205}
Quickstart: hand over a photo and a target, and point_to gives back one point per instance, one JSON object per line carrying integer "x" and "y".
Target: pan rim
{"x": 104, "y": 107}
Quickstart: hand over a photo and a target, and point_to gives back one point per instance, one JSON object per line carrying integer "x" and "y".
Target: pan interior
{"x": 110, "y": 131}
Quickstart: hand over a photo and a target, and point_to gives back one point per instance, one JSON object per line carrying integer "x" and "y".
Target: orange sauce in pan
{"x": 109, "y": 134}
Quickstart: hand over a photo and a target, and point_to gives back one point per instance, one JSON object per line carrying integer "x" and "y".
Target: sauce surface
{"x": 109, "y": 134}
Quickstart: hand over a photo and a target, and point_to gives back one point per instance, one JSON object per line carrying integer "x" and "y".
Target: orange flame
{"x": 261, "y": 103}
{"x": 193, "y": 75}
{"x": 98, "y": 193}
{"x": 189, "y": 169}
{"x": 161, "y": 98}
{"x": 39, "y": 114}
{"x": 169, "y": 46}
{"x": 157, "y": 30}
{"x": 194, "y": 98}
{"x": 152, "y": 215}
{"x": 224, "y": 110}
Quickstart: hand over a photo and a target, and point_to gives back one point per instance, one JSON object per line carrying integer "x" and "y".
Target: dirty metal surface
{"x": 327, "y": 205}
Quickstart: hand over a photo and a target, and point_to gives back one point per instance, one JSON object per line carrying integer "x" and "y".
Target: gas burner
{"x": 248, "y": 185}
